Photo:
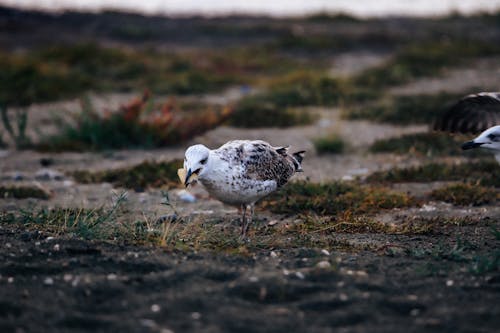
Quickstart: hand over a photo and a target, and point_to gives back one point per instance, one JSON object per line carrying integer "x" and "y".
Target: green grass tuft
{"x": 332, "y": 144}
{"x": 138, "y": 177}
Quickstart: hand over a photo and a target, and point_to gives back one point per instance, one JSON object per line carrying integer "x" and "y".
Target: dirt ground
{"x": 58, "y": 284}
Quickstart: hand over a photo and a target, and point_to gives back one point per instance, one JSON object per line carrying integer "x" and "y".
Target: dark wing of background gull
{"x": 472, "y": 114}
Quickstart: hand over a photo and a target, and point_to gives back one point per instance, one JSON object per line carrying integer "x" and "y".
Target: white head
{"x": 195, "y": 162}
{"x": 489, "y": 139}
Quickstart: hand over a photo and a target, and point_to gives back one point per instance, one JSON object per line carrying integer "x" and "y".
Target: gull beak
{"x": 191, "y": 177}
{"x": 471, "y": 144}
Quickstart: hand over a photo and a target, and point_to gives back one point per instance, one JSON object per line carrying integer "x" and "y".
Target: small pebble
{"x": 300, "y": 275}
{"x": 450, "y": 283}
{"x": 67, "y": 277}
{"x": 112, "y": 277}
{"x": 48, "y": 281}
{"x": 196, "y": 315}
{"x": 414, "y": 312}
{"x": 48, "y": 174}
{"x": 253, "y": 279}
{"x": 155, "y": 308}
{"x": 10, "y": 279}
{"x": 325, "y": 252}
{"x": 343, "y": 297}
{"x": 186, "y": 196}
{"x": 323, "y": 264}
{"x": 56, "y": 247}
{"x": 273, "y": 254}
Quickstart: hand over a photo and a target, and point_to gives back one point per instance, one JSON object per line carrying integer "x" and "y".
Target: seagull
{"x": 473, "y": 113}
{"x": 240, "y": 172}
{"x": 489, "y": 139}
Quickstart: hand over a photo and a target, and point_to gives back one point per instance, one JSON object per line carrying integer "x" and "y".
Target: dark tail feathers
{"x": 299, "y": 156}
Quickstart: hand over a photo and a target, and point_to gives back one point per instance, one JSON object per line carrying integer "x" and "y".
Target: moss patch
{"x": 466, "y": 194}
{"x": 146, "y": 174}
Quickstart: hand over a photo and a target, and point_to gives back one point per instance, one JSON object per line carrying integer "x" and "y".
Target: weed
{"x": 332, "y": 144}
{"x": 486, "y": 263}
{"x": 466, "y": 194}
{"x": 145, "y": 174}
{"x": 138, "y": 124}
{"x": 18, "y": 132}
{"x": 22, "y": 192}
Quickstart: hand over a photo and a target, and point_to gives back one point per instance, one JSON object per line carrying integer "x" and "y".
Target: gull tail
{"x": 298, "y": 156}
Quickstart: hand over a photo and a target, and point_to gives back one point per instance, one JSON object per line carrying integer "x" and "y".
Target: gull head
{"x": 489, "y": 139}
{"x": 195, "y": 163}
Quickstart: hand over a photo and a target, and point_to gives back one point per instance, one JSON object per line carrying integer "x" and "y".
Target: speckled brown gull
{"x": 240, "y": 172}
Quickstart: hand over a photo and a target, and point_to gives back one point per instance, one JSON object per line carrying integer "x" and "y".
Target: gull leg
{"x": 249, "y": 221}
{"x": 243, "y": 220}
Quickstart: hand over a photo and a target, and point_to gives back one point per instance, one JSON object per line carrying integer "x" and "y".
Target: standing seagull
{"x": 240, "y": 172}
{"x": 472, "y": 114}
{"x": 489, "y": 139}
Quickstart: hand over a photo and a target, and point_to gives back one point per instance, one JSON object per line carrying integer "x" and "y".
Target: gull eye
{"x": 492, "y": 137}
{"x": 203, "y": 161}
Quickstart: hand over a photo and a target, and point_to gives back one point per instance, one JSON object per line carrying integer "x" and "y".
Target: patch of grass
{"x": 351, "y": 224}
{"x": 253, "y": 112}
{"x": 22, "y": 192}
{"x": 66, "y": 71}
{"x": 275, "y": 106}
{"x": 466, "y": 194}
{"x": 406, "y": 110}
{"x": 334, "y": 198}
{"x": 428, "y": 144}
{"x": 332, "y": 144}
{"x": 86, "y": 223}
{"x": 138, "y": 124}
{"x": 143, "y": 175}
{"x": 425, "y": 59}
{"x": 482, "y": 172}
